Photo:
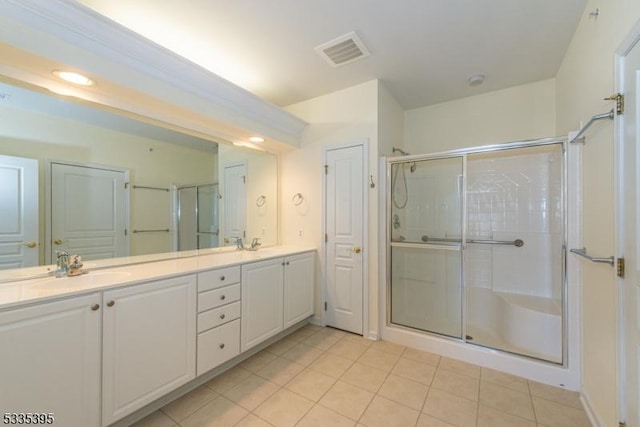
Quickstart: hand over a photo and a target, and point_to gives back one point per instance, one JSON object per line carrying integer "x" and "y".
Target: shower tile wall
{"x": 515, "y": 196}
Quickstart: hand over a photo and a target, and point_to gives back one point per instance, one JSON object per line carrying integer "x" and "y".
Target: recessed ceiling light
{"x": 256, "y": 139}
{"x": 75, "y": 78}
{"x": 476, "y": 79}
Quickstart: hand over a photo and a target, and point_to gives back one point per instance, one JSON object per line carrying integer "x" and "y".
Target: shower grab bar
{"x": 610, "y": 115}
{"x": 583, "y": 253}
{"x": 517, "y": 242}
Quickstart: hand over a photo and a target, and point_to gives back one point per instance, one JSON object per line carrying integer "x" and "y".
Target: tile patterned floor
{"x": 321, "y": 377}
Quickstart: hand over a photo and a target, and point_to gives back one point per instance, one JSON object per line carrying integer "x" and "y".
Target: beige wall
{"x": 345, "y": 116}
{"x": 516, "y": 113}
{"x": 584, "y": 79}
{"x": 43, "y": 137}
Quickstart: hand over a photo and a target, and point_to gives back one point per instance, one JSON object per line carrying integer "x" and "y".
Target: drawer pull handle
{"x": 222, "y": 297}
{"x": 222, "y": 316}
{"x": 111, "y": 303}
{"x": 95, "y": 307}
{"x": 221, "y": 346}
{"x": 222, "y": 278}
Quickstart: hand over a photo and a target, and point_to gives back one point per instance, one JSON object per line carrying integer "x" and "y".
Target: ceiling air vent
{"x": 343, "y": 50}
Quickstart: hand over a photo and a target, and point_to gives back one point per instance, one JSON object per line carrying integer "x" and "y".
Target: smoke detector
{"x": 343, "y": 50}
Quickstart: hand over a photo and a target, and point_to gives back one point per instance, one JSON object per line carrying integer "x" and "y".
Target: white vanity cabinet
{"x": 50, "y": 358}
{"x": 218, "y": 317}
{"x": 149, "y": 343}
{"x": 276, "y": 294}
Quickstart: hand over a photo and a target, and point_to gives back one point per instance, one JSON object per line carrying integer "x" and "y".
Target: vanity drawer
{"x": 218, "y": 345}
{"x": 213, "y": 279}
{"x": 218, "y": 316}
{"x": 218, "y": 297}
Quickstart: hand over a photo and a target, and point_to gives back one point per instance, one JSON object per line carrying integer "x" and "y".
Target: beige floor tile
{"x": 258, "y": 361}
{"x": 379, "y": 359}
{"x": 388, "y": 347}
{"x": 404, "y": 391}
{"x": 229, "y": 379}
{"x": 358, "y": 339}
{"x": 384, "y": 413}
{"x": 311, "y": 384}
{"x": 282, "y": 346}
{"x": 319, "y": 416}
{"x": 253, "y": 421}
{"x": 302, "y": 334}
{"x": 506, "y": 380}
{"x": 156, "y": 419}
{"x": 429, "y": 421}
{"x": 460, "y": 367}
{"x": 365, "y": 377}
{"x": 313, "y": 328}
{"x": 347, "y": 400}
{"x": 556, "y": 394}
{"x": 280, "y": 371}
{"x": 451, "y": 408}
{"x": 220, "y": 412}
{"x": 251, "y": 392}
{"x": 507, "y": 400}
{"x": 415, "y": 371}
{"x": 421, "y": 356}
{"x": 348, "y": 349}
{"x": 322, "y": 340}
{"x": 284, "y": 408}
{"x": 186, "y": 405}
{"x": 458, "y": 384}
{"x": 557, "y": 415}
{"x": 333, "y": 332}
{"x": 303, "y": 354}
{"x": 331, "y": 364}
{"x": 490, "y": 417}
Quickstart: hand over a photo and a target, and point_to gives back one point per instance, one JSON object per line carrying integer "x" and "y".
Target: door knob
{"x": 356, "y": 249}
{"x": 57, "y": 242}
{"x": 31, "y": 245}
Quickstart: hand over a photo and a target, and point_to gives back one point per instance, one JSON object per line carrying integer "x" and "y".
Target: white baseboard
{"x": 372, "y": 336}
{"x": 595, "y": 420}
{"x": 315, "y": 320}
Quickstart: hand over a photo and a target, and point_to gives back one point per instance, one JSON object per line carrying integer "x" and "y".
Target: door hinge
{"x": 325, "y": 306}
{"x": 620, "y": 267}
{"x": 326, "y": 237}
{"x": 126, "y": 232}
{"x": 619, "y": 99}
{"x": 126, "y": 185}
{"x": 622, "y": 424}
{"x": 244, "y": 179}
{"x": 326, "y": 169}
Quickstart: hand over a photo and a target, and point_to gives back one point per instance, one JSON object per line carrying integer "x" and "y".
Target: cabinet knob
{"x": 222, "y": 316}
{"x": 222, "y": 278}
{"x": 222, "y": 346}
{"x": 95, "y": 307}
{"x": 111, "y": 303}
{"x": 223, "y": 297}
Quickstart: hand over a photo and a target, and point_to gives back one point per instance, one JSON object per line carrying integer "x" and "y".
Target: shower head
{"x": 397, "y": 150}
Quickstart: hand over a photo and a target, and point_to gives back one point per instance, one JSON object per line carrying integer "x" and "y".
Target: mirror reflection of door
{"x": 18, "y": 212}
{"x": 89, "y": 211}
{"x": 198, "y": 217}
{"x": 234, "y": 200}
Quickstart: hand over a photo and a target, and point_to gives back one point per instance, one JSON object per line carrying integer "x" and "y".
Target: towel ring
{"x": 297, "y": 199}
{"x": 260, "y": 201}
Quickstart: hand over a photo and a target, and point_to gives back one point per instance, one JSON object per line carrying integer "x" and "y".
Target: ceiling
{"x": 423, "y": 51}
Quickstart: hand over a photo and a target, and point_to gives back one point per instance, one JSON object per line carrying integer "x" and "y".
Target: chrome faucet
{"x": 254, "y": 244}
{"x": 239, "y": 244}
{"x": 62, "y": 264}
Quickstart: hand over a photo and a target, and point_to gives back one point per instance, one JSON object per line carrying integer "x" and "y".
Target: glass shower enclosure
{"x": 476, "y": 246}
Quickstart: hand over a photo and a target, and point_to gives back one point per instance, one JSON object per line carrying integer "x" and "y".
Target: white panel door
{"x": 630, "y": 236}
{"x": 234, "y": 198}
{"x": 88, "y": 211}
{"x": 344, "y": 226}
{"x": 18, "y": 212}
{"x": 51, "y": 361}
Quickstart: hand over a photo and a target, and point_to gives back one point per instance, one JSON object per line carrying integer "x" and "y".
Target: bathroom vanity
{"x": 90, "y": 350}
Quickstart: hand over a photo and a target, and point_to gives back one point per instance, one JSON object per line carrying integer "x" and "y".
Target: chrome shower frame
{"x": 386, "y": 209}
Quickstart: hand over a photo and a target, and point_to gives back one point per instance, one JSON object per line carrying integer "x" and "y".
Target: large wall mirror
{"x": 105, "y": 186}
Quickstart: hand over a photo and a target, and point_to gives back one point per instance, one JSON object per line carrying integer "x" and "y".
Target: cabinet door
{"x": 299, "y": 274}
{"x": 50, "y": 360}
{"x": 262, "y": 301}
{"x": 149, "y": 335}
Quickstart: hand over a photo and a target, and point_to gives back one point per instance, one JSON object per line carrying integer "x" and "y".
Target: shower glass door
{"x": 426, "y": 218}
